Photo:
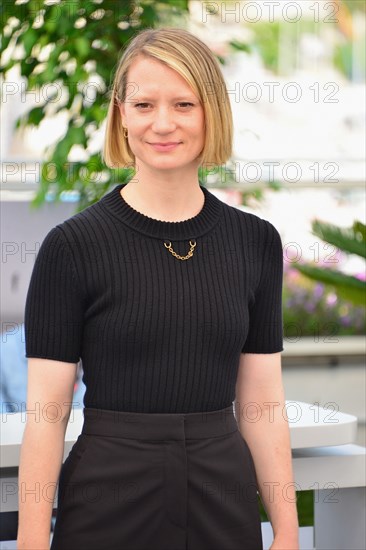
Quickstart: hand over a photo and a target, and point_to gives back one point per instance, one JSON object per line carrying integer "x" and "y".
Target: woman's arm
{"x": 261, "y": 416}
{"x": 49, "y": 398}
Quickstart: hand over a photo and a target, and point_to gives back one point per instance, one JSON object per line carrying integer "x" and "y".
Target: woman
{"x": 173, "y": 301}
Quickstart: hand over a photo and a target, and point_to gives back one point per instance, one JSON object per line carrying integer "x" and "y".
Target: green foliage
{"x": 347, "y": 286}
{"x": 311, "y": 308}
{"x": 342, "y": 58}
{"x": 266, "y": 43}
{"x": 68, "y": 52}
{"x": 276, "y": 39}
{"x": 352, "y": 241}
{"x": 355, "y": 5}
{"x": 240, "y": 46}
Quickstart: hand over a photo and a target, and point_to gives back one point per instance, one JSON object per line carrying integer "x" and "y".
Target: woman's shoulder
{"x": 77, "y": 232}
{"x": 252, "y": 223}
{"x": 81, "y": 224}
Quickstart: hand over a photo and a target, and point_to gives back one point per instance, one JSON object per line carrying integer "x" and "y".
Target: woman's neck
{"x": 167, "y": 200}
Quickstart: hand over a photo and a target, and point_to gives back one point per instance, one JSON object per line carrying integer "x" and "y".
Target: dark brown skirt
{"x": 141, "y": 481}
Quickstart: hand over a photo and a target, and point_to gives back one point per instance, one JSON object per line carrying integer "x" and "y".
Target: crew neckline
{"x": 190, "y": 228}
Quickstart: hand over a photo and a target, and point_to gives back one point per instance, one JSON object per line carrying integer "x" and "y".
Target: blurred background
{"x": 295, "y": 72}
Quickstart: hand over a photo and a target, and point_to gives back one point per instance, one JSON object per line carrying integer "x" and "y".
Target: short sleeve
{"x": 265, "y": 314}
{"x": 53, "y": 317}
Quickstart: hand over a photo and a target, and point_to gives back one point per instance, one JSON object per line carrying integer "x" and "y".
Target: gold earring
{"x": 125, "y": 132}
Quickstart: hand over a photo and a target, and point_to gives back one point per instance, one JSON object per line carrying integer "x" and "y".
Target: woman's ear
{"x": 121, "y": 108}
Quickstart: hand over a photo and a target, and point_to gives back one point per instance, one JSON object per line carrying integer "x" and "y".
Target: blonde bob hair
{"x": 194, "y": 61}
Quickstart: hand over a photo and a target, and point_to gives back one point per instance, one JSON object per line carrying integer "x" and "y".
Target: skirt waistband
{"x": 158, "y": 426}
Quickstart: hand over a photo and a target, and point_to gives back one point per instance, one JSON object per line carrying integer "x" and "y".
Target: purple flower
{"x": 361, "y": 276}
{"x": 318, "y": 290}
{"x": 346, "y": 320}
{"x": 309, "y": 307}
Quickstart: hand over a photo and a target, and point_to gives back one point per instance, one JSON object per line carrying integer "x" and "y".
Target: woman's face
{"x": 164, "y": 117}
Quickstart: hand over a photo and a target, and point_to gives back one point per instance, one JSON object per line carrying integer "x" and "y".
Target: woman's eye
{"x": 141, "y": 105}
{"x": 182, "y": 104}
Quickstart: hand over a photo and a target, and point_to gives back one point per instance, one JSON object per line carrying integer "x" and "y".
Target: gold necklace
{"x": 189, "y": 255}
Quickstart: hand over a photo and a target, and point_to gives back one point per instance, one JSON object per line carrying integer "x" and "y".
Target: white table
{"x": 324, "y": 459}
{"x": 310, "y": 426}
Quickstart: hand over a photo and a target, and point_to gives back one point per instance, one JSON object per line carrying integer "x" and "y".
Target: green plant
{"x": 311, "y": 308}
{"x": 351, "y": 240}
{"x": 67, "y": 51}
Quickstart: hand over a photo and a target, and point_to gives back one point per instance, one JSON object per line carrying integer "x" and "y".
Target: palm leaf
{"x": 346, "y": 286}
{"x": 351, "y": 240}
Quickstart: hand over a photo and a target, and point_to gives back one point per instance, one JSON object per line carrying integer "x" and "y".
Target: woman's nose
{"x": 163, "y": 120}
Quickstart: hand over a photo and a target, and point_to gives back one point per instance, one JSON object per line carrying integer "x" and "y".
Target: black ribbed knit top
{"x": 155, "y": 333}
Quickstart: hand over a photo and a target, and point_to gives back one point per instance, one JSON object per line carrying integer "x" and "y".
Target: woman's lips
{"x": 169, "y": 146}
